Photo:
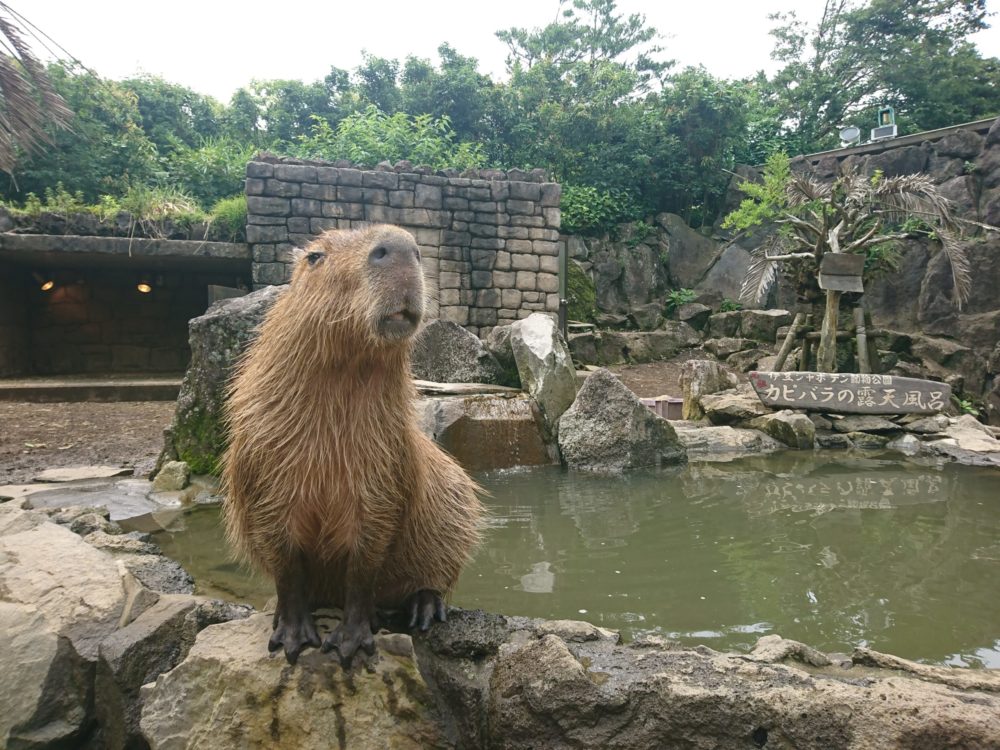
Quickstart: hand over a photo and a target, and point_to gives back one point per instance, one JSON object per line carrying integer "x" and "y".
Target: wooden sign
{"x": 841, "y": 272}
{"x": 850, "y": 393}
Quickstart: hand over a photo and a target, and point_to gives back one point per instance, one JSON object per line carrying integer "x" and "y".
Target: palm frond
{"x": 761, "y": 272}
{"x": 803, "y": 189}
{"x": 30, "y": 108}
{"x": 961, "y": 268}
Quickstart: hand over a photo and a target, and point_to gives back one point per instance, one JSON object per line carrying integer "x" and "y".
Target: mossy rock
{"x": 581, "y": 294}
{"x": 218, "y": 339}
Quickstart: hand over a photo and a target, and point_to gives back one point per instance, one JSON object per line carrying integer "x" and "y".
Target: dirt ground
{"x": 657, "y": 378}
{"x": 34, "y": 437}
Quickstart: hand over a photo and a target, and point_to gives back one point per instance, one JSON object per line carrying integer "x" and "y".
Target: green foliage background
{"x": 591, "y": 97}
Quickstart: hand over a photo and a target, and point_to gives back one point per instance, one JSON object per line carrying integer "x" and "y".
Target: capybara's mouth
{"x": 399, "y": 324}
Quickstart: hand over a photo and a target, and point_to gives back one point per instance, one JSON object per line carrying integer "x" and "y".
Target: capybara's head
{"x": 366, "y": 280}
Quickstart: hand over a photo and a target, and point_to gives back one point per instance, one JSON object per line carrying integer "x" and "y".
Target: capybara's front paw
{"x": 424, "y": 607}
{"x": 294, "y": 633}
{"x": 348, "y": 637}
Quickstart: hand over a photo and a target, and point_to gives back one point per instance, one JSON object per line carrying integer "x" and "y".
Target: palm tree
{"x": 29, "y": 106}
{"x": 853, "y": 214}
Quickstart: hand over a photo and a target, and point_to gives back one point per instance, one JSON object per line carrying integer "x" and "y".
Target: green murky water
{"x": 835, "y": 552}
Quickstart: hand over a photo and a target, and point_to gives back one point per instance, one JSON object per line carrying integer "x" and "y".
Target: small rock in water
{"x": 173, "y": 476}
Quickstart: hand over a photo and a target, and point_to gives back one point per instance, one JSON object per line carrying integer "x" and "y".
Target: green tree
{"x": 372, "y": 136}
{"x": 174, "y": 115}
{"x": 912, "y": 53}
{"x": 106, "y": 149}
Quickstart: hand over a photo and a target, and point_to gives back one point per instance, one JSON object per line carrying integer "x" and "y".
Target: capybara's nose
{"x": 391, "y": 252}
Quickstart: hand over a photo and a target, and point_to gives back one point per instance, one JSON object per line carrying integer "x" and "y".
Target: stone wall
{"x": 489, "y": 239}
{"x": 14, "y": 348}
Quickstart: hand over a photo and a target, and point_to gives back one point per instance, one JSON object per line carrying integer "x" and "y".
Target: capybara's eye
{"x": 379, "y": 252}
{"x": 314, "y": 258}
{"x": 416, "y": 254}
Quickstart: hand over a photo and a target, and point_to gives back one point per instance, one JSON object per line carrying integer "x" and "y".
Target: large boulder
{"x": 691, "y": 254}
{"x": 794, "y": 430}
{"x": 83, "y": 632}
{"x": 544, "y": 365}
{"x": 218, "y": 338}
{"x": 498, "y": 342}
{"x": 723, "y": 443}
{"x": 732, "y": 406}
{"x": 700, "y": 377}
{"x": 230, "y": 693}
{"x": 969, "y": 442}
{"x": 763, "y": 325}
{"x": 517, "y": 683}
{"x": 444, "y": 352}
{"x": 607, "y": 429}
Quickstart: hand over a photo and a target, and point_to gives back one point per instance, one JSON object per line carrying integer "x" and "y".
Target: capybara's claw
{"x": 294, "y": 634}
{"x": 348, "y": 638}
{"x": 425, "y": 607}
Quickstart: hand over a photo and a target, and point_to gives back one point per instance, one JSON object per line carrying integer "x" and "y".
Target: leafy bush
{"x": 213, "y": 170}
{"x": 678, "y": 297}
{"x": 372, "y": 136}
{"x": 229, "y": 216}
{"x": 730, "y": 305}
{"x": 588, "y": 210}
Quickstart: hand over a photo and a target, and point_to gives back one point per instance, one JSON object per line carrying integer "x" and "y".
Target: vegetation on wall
{"x": 591, "y": 97}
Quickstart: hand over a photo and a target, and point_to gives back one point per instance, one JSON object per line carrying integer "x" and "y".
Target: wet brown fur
{"x": 325, "y": 458}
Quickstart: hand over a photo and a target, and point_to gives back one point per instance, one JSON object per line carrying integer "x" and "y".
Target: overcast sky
{"x": 216, "y": 47}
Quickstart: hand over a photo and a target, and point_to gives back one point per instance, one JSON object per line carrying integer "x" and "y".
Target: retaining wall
{"x": 489, "y": 239}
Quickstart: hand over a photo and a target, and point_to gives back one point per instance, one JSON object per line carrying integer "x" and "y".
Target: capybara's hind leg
{"x": 423, "y": 608}
{"x": 294, "y": 628}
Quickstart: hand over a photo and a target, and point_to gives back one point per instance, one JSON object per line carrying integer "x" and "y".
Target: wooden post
{"x": 789, "y": 342}
{"x": 864, "y": 366}
{"x": 826, "y": 353}
{"x": 804, "y": 354}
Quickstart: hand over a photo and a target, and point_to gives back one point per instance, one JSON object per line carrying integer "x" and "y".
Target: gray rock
{"x": 926, "y": 425}
{"x": 724, "y": 347}
{"x": 704, "y": 443}
{"x": 498, "y": 342}
{"x": 868, "y": 441}
{"x": 724, "y": 324}
{"x": 646, "y": 317}
{"x": 76, "y": 473}
{"x": 747, "y": 360}
{"x": 218, "y": 338}
{"x": 607, "y": 429}
{"x": 444, "y": 352}
{"x": 969, "y": 442}
{"x": 833, "y": 441}
{"x": 865, "y": 423}
{"x": 794, "y": 430}
{"x": 691, "y": 254}
{"x": 725, "y": 279}
{"x": 908, "y": 445}
{"x": 694, "y": 314}
{"x": 701, "y": 377}
{"x": 544, "y": 365}
{"x": 763, "y": 325}
{"x": 732, "y": 406}
{"x": 172, "y": 477}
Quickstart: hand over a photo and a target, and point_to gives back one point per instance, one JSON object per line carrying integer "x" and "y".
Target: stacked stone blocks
{"x": 489, "y": 239}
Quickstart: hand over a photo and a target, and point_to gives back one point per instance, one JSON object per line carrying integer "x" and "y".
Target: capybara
{"x": 330, "y": 486}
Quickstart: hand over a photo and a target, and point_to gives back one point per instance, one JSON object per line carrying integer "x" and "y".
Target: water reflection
{"x": 837, "y": 553}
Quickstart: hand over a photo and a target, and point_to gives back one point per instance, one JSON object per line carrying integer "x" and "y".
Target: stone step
{"x": 104, "y": 388}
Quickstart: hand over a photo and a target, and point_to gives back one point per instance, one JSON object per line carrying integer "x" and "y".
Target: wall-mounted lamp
{"x": 145, "y": 284}
{"x": 45, "y": 282}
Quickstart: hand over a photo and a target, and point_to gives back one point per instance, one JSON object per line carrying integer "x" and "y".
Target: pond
{"x": 833, "y": 551}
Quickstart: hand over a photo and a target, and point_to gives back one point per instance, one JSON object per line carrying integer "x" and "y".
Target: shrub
{"x": 588, "y": 210}
{"x": 229, "y": 217}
